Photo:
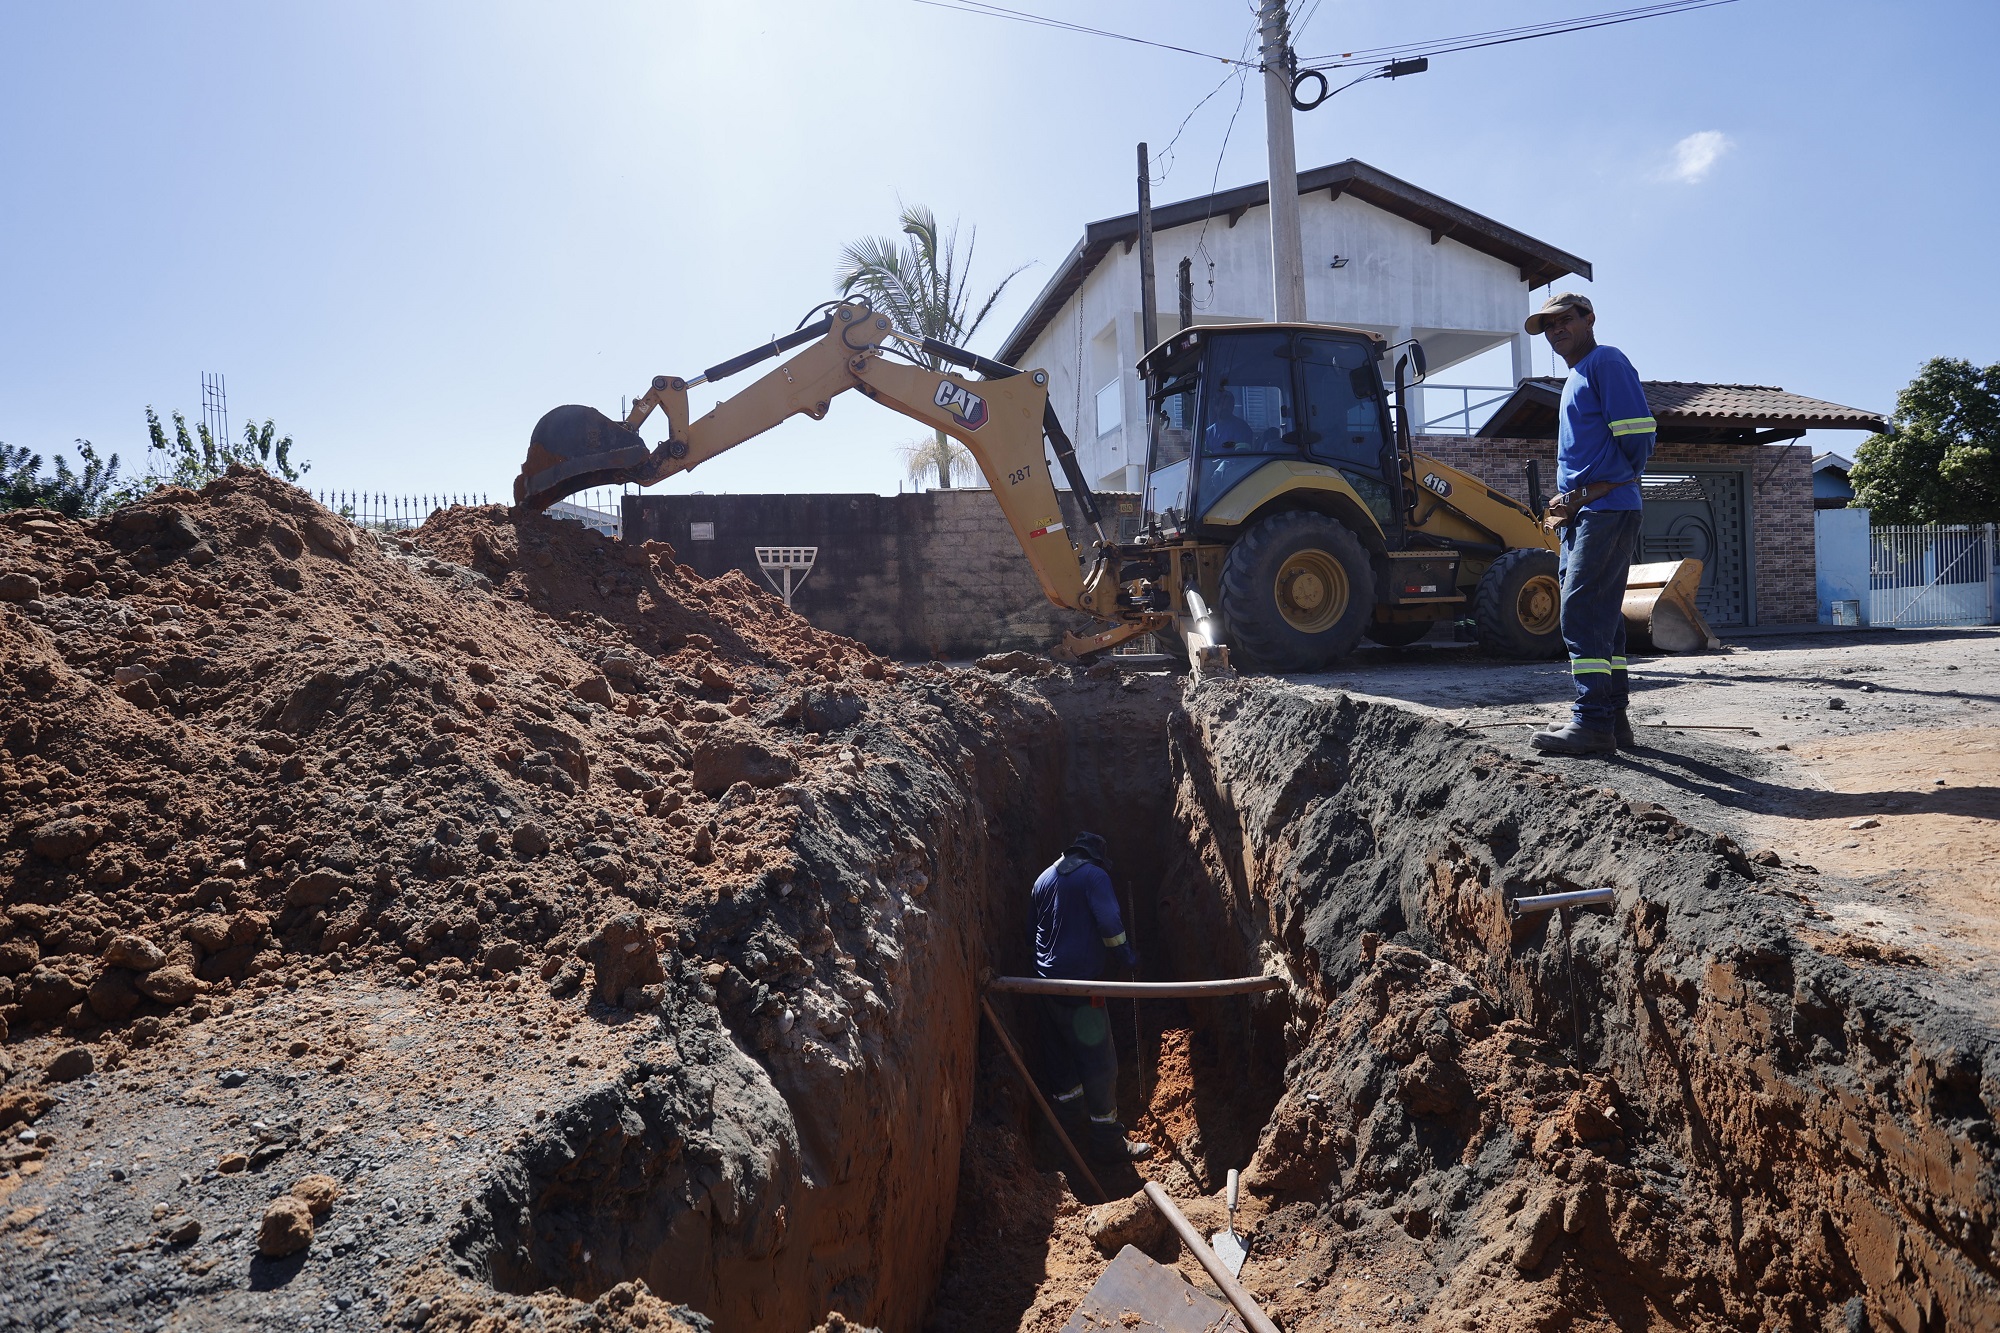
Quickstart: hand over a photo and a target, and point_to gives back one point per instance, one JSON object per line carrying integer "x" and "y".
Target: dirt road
{"x": 1873, "y": 757}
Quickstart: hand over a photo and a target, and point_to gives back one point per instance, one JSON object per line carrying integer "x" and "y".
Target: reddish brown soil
{"x": 330, "y": 752}
{"x": 259, "y": 766}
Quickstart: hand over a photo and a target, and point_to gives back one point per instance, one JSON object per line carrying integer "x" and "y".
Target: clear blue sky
{"x": 404, "y": 230}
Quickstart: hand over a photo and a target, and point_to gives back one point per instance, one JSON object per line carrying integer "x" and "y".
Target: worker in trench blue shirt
{"x": 1604, "y": 437}
{"x": 1077, "y": 925}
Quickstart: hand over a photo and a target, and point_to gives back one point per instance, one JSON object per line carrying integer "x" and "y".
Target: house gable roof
{"x": 1690, "y": 413}
{"x": 1537, "y": 261}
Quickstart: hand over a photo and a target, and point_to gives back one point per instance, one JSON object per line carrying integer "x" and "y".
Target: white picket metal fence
{"x": 1931, "y": 574}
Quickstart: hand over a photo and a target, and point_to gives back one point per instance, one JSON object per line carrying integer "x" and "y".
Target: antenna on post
{"x": 215, "y": 408}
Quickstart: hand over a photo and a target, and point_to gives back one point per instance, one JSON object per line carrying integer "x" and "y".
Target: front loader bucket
{"x": 574, "y": 448}
{"x": 1660, "y": 612}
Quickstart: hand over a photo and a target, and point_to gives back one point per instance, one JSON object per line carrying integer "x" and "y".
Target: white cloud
{"x": 1695, "y": 155}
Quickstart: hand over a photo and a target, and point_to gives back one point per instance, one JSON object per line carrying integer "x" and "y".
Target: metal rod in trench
{"x": 1021, "y": 1067}
{"x": 1245, "y": 1303}
{"x": 1569, "y": 969}
{"x": 1138, "y": 1040}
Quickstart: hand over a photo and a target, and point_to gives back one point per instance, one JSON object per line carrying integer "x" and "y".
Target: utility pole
{"x": 1288, "y": 266}
{"x": 1149, "y": 305}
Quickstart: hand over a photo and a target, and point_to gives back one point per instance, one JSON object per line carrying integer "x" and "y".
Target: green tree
{"x": 79, "y": 494}
{"x": 1940, "y": 461}
{"x": 193, "y": 459}
{"x": 924, "y": 288}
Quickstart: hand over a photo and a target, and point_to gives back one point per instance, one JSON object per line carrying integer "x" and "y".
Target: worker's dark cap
{"x": 1556, "y": 304}
{"x": 1090, "y": 846}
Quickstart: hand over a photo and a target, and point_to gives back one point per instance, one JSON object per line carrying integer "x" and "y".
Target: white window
{"x": 701, "y": 532}
{"x": 1110, "y": 408}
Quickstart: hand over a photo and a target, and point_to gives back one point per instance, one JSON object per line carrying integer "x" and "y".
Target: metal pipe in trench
{"x": 1145, "y": 990}
{"x": 1245, "y": 1303}
{"x": 1549, "y": 902}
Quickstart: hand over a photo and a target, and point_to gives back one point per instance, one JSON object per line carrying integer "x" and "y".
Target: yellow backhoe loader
{"x": 1286, "y": 518}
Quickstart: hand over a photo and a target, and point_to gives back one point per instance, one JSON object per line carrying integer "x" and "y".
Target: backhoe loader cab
{"x": 1225, "y": 402}
{"x": 1280, "y": 490}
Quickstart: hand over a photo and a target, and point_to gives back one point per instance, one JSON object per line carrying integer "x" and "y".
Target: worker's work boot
{"x": 1108, "y": 1142}
{"x": 1572, "y": 737}
{"x": 1621, "y": 732}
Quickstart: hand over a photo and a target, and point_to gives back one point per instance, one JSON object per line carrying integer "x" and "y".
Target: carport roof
{"x": 1690, "y": 413}
{"x": 1538, "y": 261}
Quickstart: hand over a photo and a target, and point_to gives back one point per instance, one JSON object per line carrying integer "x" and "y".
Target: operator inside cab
{"x": 1228, "y": 429}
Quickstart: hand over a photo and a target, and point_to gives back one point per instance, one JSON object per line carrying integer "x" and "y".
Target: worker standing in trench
{"x": 1077, "y": 926}
{"x": 1605, "y": 435}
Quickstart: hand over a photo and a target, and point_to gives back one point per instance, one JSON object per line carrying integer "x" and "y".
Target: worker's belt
{"x": 1588, "y": 494}
{"x": 1571, "y": 503}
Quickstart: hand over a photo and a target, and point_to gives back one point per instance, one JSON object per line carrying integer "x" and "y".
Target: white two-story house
{"x": 1380, "y": 254}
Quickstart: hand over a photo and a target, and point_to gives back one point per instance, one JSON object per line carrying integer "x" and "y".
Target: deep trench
{"x": 1670, "y": 1113}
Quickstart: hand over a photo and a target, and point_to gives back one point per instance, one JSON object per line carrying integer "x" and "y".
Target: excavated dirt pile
{"x": 498, "y": 927}
{"x": 523, "y": 881}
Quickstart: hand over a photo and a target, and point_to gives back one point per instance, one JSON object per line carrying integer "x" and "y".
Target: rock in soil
{"x": 286, "y": 1229}
{"x": 317, "y": 1192}
{"x": 1129, "y": 1221}
{"x": 72, "y": 1064}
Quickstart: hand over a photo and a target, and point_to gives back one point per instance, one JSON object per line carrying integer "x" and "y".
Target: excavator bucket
{"x": 574, "y": 448}
{"x": 1660, "y": 612}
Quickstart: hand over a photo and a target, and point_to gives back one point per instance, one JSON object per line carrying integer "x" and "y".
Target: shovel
{"x": 1228, "y": 1246}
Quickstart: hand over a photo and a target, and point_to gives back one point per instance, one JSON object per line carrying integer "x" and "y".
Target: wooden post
{"x": 1149, "y": 306}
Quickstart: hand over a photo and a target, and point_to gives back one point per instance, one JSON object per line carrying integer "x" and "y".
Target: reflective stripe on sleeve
{"x": 1113, "y": 941}
{"x": 1634, "y": 426}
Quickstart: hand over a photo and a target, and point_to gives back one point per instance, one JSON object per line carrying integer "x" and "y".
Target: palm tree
{"x": 921, "y": 285}
{"x": 943, "y": 457}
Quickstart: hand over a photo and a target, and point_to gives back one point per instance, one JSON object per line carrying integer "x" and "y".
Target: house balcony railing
{"x": 1473, "y": 404}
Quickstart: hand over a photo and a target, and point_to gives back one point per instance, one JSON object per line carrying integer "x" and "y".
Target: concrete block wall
{"x": 914, "y": 576}
{"x": 1781, "y": 503}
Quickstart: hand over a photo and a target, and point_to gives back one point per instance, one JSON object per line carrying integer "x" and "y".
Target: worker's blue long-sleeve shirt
{"x": 1606, "y": 430}
{"x": 1076, "y": 920}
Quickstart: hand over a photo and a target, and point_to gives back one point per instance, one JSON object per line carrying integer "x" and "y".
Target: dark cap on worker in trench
{"x": 1090, "y": 846}
{"x": 1559, "y": 302}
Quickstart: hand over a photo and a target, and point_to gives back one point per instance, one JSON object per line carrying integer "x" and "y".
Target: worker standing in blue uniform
{"x": 1077, "y": 925}
{"x": 1605, "y": 434}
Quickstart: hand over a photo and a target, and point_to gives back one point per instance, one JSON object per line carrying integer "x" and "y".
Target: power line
{"x": 1201, "y": 239}
{"x": 981, "y": 7}
{"x": 1505, "y": 36}
{"x": 1166, "y": 155}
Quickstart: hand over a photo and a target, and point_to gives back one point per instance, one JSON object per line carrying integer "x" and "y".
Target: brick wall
{"x": 1781, "y": 503}
{"x": 912, "y": 576}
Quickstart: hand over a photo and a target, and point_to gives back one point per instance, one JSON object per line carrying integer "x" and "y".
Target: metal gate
{"x": 1701, "y": 515}
{"x": 1932, "y": 574}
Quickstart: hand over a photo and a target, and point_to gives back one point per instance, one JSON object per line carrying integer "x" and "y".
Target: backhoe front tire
{"x": 1517, "y": 612}
{"x": 1297, "y": 590}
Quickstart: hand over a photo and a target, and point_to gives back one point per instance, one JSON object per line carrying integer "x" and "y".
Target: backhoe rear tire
{"x": 1517, "y": 612}
{"x": 1297, "y": 590}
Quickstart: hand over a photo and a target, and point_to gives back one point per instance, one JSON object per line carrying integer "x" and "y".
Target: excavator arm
{"x": 1001, "y": 420}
